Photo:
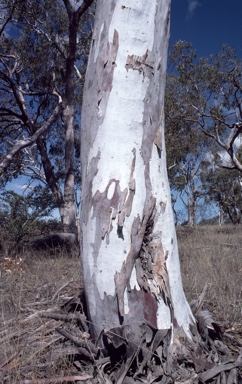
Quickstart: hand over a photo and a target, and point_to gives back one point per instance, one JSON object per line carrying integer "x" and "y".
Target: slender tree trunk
{"x": 189, "y": 211}
{"x": 194, "y": 211}
{"x": 129, "y": 246}
{"x": 51, "y": 179}
{"x": 69, "y": 218}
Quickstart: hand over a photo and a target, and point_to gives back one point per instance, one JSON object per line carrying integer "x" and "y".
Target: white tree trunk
{"x": 129, "y": 246}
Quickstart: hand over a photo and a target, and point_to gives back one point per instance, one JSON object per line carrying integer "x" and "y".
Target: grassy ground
{"x": 213, "y": 255}
{"x": 45, "y": 281}
{"x": 40, "y": 281}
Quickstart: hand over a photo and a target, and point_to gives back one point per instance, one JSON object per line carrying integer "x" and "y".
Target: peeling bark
{"x": 129, "y": 248}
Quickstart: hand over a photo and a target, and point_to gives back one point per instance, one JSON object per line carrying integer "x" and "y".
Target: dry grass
{"x": 28, "y": 341}
{"x": 210, "y": 255}
{"x": 213, "y": 255}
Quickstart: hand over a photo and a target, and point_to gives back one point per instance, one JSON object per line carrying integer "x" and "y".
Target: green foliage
{"x": 209, "y": 92}
{"x": 35, "y": 49}
{"x": 22, "y": 217}
{"x": 185, "y": 143}
{"x": 224, "y": 187}
{"x": 203, "y": 122}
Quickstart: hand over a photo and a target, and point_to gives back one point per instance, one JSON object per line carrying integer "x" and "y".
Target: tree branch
{"x": 21, "y": 144}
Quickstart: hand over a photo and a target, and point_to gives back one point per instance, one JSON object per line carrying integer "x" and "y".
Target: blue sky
{"x": 207, "y": 24}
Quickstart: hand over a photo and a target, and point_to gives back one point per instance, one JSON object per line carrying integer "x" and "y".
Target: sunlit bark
{"x": 129, "y": 247}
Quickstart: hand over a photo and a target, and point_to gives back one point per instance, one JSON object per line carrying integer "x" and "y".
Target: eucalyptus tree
{"x": 20, "y": 218}
{"x": 224, "y": 188}
{"x": 187, "y": 148}
{"x": 43, "y": 57}
{"x": 211, "y": 94}
{"x": 128, "y": 242}
{"x": 136, "y": 306}
{"x": 188, "y": 183}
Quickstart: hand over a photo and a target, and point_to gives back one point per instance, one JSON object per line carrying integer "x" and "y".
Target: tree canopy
{"x": 203, "y": 119}
{"x": 44, "y": 50}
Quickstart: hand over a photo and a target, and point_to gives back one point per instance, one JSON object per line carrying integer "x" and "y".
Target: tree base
{"x": 138, "y": 353}
{"x": 57, "y": 348}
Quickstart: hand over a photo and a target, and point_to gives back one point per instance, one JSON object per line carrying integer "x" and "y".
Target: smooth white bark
{"x": 129, "y": 248}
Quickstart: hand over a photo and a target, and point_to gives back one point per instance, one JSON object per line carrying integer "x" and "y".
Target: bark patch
{"x": 140, "y": 63}
{"x": 122, "y": 278}
{"x": 92, "y": 171}
{"x": 151, "y": 268}
{"x": 104, "y": 210}
{"x": 109, "y": 65}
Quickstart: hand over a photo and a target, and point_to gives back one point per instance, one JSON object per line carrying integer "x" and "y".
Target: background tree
{"x": 211, "y": 89}
{"x": 204, "y": 95}
{"x": 20, "y": 218}
{"x": 186, "y": 148}
{"x": 41, "y": 49}
{"x": 187, "y": 182}
{"x": 224, "y": 187}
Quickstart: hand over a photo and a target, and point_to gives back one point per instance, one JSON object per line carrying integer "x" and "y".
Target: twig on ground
{"x": 53, "y": 297}
{"x": 79, "y": 342}
{"x": 67, "y": 317}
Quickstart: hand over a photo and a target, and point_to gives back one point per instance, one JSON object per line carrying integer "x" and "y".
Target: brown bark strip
{"x": 129, "y": 202}
{"x": 106, "y": 85}
{"x": 110, "y": 63}
{"x": 105, "y": 210}
{"x": 159, "y": 270}
{"x": 125, "y": 207}
{"x": 92, "y": 170}
{"x": 139, "y": 63}
{"x": 158, "y": 139}
{"x": 122, "y": 278}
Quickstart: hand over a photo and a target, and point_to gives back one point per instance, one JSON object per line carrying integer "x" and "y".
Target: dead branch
{"x": 67, "y": 317}
{"x": 197, "y": 304}
{"x": 81, "y": 343}
{"x": 36, "y": 313}
{"x": 21, "y": 144}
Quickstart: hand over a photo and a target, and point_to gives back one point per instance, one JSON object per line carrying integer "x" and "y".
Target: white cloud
{"x": 192, "y": 6}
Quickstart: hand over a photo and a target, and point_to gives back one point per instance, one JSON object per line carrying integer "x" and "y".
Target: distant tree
{"x": 203, "y": 95}
{"x": 42, "y": 61}
{"x": 187, "y": 182}
{"x": 186, "y": 147}
{"x": 20, "y": 217}
{"x": 224, "y": 187}
{"x": 210, "y": 92}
